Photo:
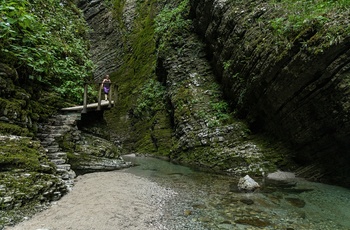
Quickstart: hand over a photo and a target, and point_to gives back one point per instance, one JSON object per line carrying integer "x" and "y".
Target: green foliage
{"x": 227, "y": 64}
{"x": 220, "y": 114}
{"x": 172, "y": 21}
{"x": 221, "y": 109}
{"x": 150, "y": 100}
{"x": 45, "y": 40}
{"x": 298, "y": 15}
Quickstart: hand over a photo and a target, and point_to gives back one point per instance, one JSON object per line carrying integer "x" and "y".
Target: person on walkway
{"x": 106, "y": 83}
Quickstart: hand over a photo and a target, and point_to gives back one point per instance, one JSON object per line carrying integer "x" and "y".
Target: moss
{"x": 146, "y": 145}
{"x": 27, "y": 185}
{"x": 24, "y": 109}
{"x": 75, "y": 159}
{"x": 118, "y": 6}
{"x": 6, "y": 128}
{"x": 65, "y": 142}
{"x": 46, "y": 105}
{"x": 88, "y": 150}
{"x": 11, "y": 108}
{"x": 27, "y": 193}
{"x": 137, "y": 70}
{"x": 27, "y": 178}
{"x": 23, "y": 153}
{"x": 153, "y": 135}
{"x": 276, "y": 153}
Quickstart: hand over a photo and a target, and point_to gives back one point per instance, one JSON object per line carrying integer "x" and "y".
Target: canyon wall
{"x": 292, "y": 89}
{"x": 297, "y": 89}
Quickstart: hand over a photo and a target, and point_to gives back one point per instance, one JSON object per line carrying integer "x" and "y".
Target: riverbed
{"x": 211, "y": 201}
{"x": 157, "y": 194}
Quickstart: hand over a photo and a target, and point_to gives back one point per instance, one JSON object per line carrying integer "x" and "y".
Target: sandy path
{"x": 104, "y": 201}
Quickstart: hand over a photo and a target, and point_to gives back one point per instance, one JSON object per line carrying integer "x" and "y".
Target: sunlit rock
{"x": 247, "y": 184}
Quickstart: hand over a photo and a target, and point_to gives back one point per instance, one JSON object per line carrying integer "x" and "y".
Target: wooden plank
{"x": 89, "y": 106}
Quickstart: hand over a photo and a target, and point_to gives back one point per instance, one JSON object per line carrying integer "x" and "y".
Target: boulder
{"x": 247, "y": 184}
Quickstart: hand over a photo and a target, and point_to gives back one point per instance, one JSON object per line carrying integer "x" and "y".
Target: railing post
{"x": 99, "y": 96}
{"x": 110, "y": 96}
{"x": 116, "y": 93}
{"x": 85, "y": 98}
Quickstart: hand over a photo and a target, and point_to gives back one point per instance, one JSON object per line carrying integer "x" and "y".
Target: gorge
{"x": 233, "y": 87}
{"x": 288, "y": 83}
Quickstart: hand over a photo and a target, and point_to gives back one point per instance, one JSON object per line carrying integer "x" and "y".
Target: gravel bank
{"x": 105, "y": 201}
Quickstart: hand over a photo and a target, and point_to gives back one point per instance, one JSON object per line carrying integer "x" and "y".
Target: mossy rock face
{"x": 95, "y": 146}
{"x": 6, "y": 128}
{"x": 170, "y": 104}
{"x": 7, "y": 76}
{"x": 140, "y": 113}
{"x": 24, "y": 105}
{"x": 159, "y": 134}
{"x": 13, "y": 110}
{"x": 24, "y": 193}
{"x": 288, "y": 76}
{"x": 91, "y": 154}
{"x": 28, "y": 180}
{"x": 23, "y": 153}
{"x": 206, "y": 133}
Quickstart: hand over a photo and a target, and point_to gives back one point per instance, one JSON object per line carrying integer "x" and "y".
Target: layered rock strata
{"x": 105, "y": 38}
{"x": 297, "y": 90}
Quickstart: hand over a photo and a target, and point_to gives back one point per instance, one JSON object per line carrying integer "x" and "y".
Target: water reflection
{"x": 210, "y": 201}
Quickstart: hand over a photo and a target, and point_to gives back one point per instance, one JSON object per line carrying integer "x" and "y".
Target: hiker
{"x": 106, "y": 83}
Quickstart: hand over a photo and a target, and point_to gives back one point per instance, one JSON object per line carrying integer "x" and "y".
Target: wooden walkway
{"x": 92, "y": 106}
{"x": 95, "y": 106}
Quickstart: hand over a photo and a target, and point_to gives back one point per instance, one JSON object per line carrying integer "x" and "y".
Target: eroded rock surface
{"x": 296, "y": 89}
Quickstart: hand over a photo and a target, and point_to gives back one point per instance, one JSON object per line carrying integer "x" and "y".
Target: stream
{"x": 211, "y": 201}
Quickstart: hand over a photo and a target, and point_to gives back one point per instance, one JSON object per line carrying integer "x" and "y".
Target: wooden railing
{"x": 111, "y": 95}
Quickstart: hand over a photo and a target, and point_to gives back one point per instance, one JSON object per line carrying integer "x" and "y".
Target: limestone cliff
{"x": 296, "y": 87}
{"x": 169, "y": 102}
{"x": 291, "y": 86}
{"x": 106, "y": 40}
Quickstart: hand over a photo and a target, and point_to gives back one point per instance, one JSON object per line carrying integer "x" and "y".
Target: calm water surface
{"x": 209, "y": 201}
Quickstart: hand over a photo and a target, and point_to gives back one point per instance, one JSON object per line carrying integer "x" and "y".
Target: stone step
{"x": 58, "y": 161}
{"x": 52, "y": 149}
{"x": 44, "y": 166}
{"x": 68, "y": 175}
{"x": 56, "y": 129}
{"x": 57, "y": 155}
{"x": 42, "y": 135}
{"x": 48, "y": 141}
{"x": 54, "y": 135}
{"x": 65, "y": 119}
{"x": 63, "y": 167}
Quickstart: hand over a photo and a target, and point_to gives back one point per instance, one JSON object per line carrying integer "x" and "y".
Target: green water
{"x": 209, "y": 201}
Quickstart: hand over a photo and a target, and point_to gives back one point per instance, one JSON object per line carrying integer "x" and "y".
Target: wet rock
{"x": 226, "y": 226}
{"x": 199, "y": 206}
{"x": 205, "y": 219}
{"x": 187, "y": 212}
{"x": 247, "y": 201}
{"x": 296, "y": 202}
{"x": 256, "y": 222}
{"x": 280, "y": 175}
{"x": 248, "y": 184}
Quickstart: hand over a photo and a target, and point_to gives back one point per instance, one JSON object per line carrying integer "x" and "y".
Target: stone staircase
{"x": 49, "y": 134}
